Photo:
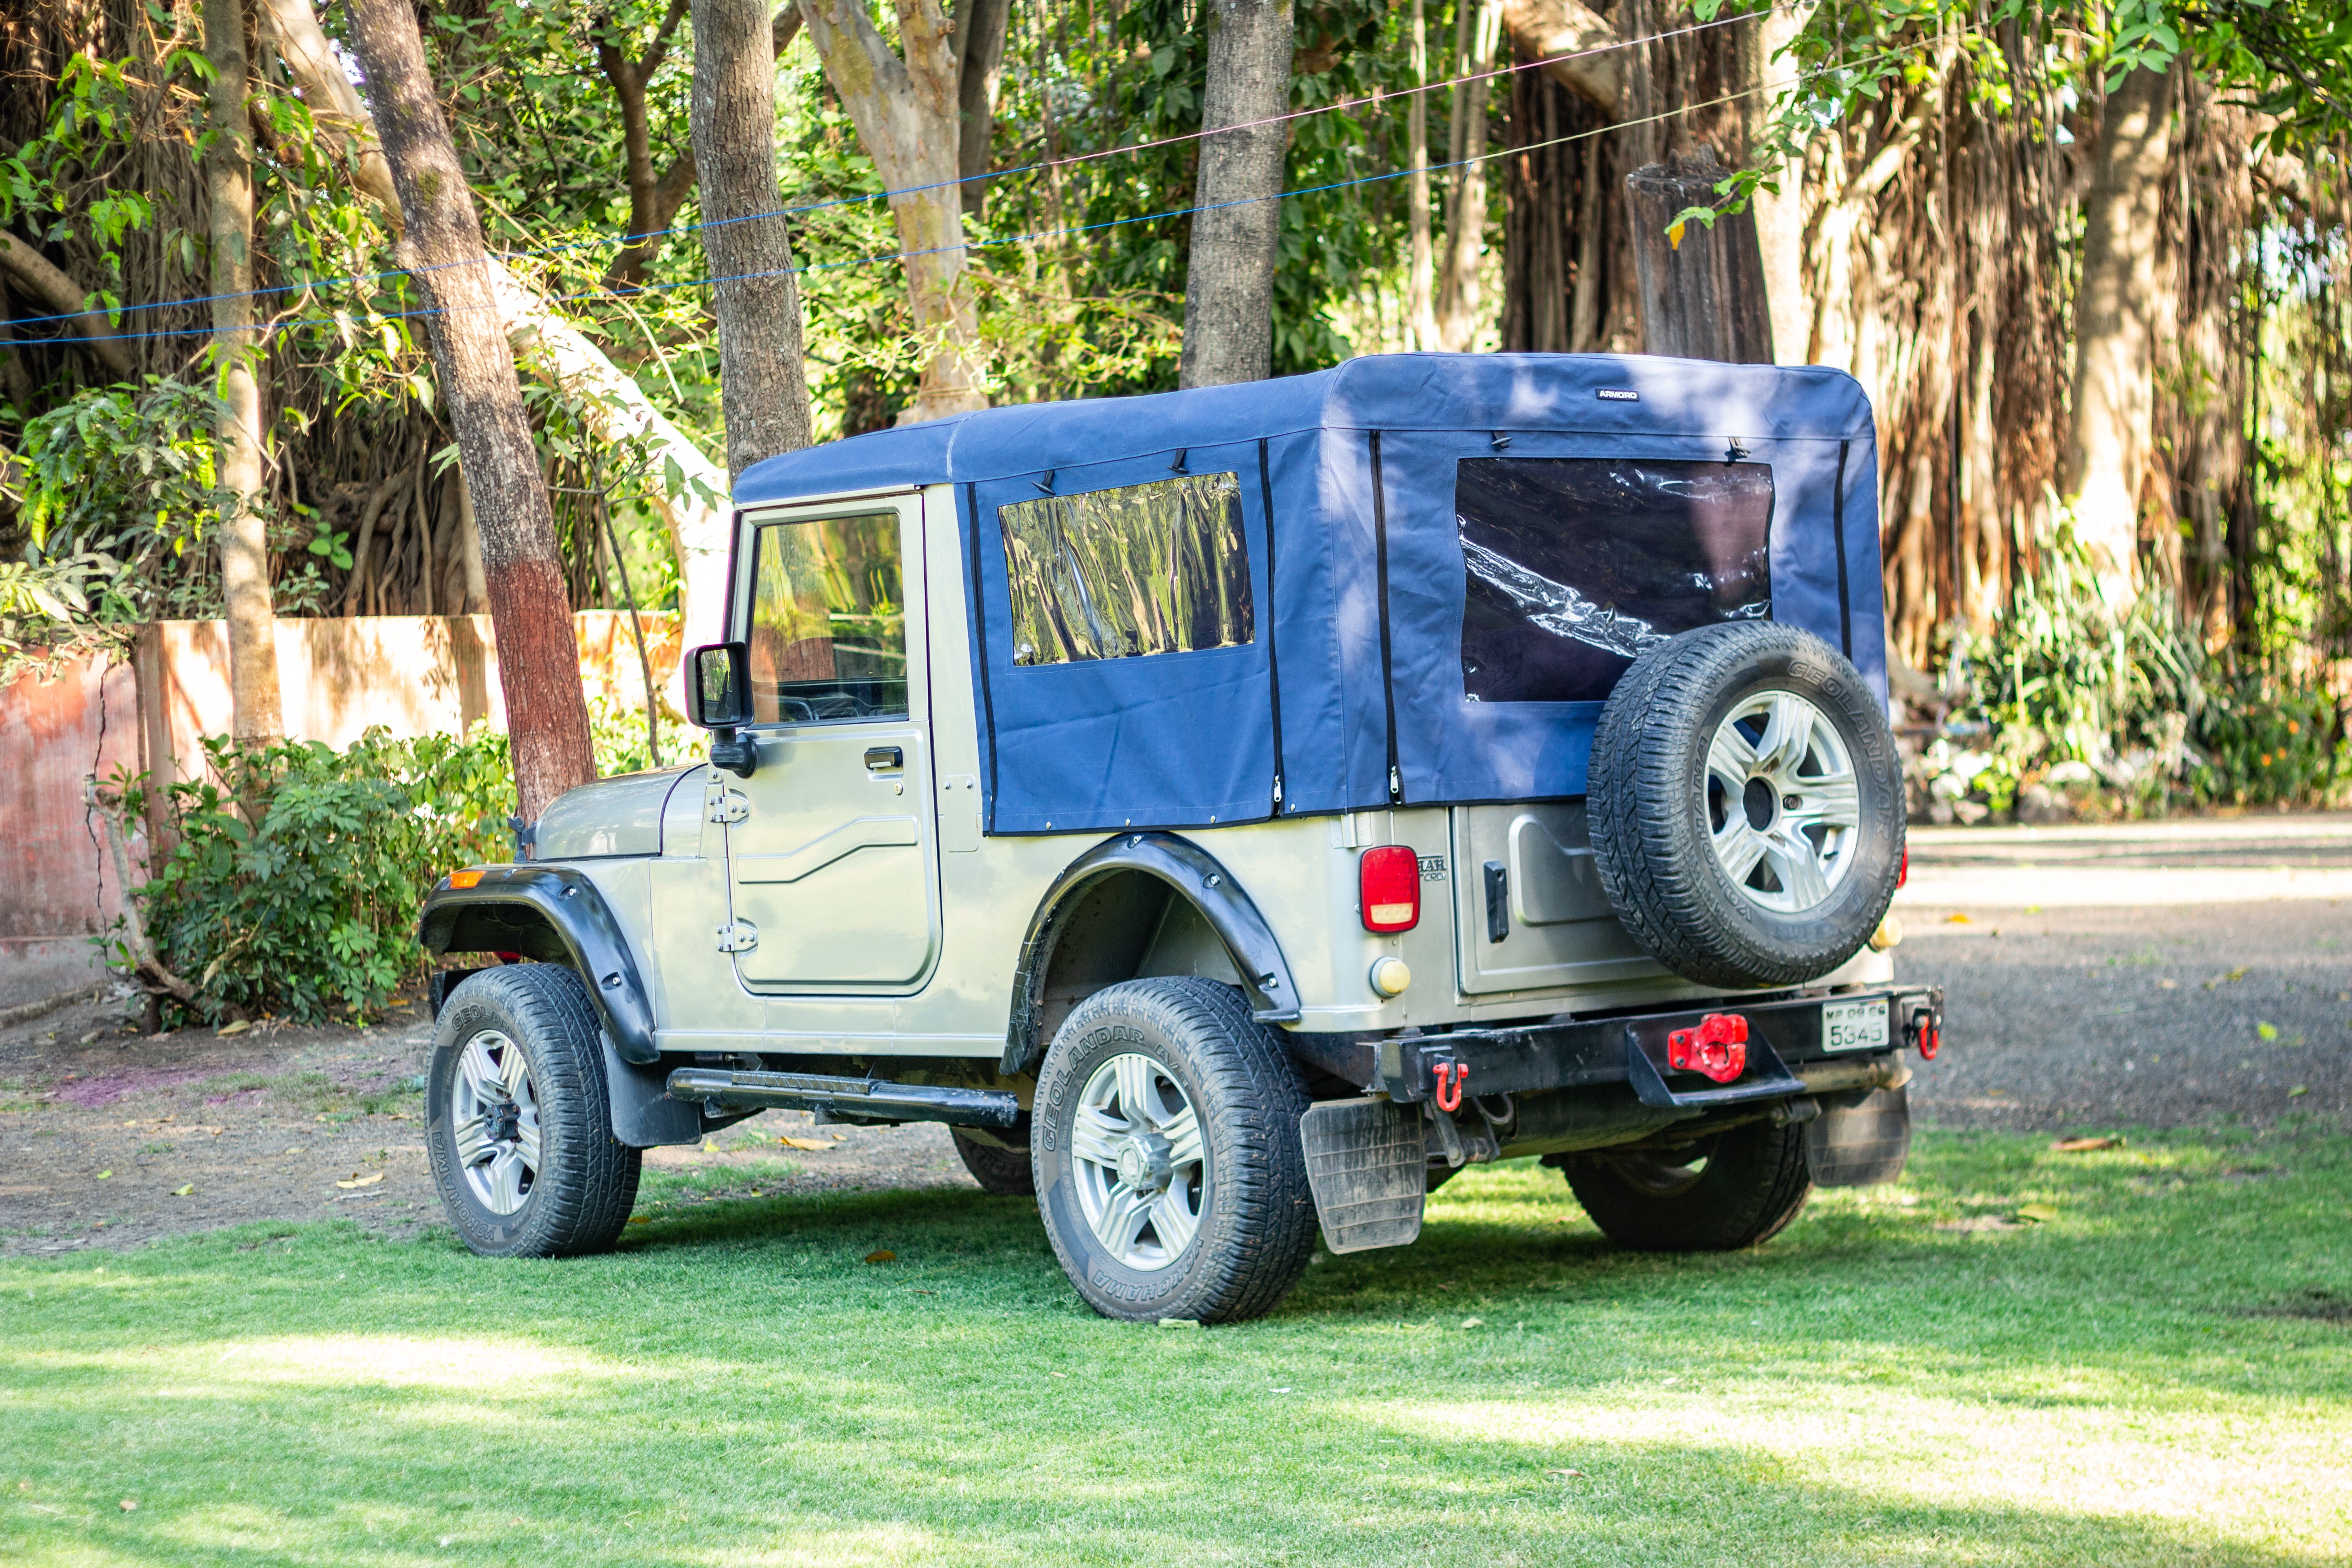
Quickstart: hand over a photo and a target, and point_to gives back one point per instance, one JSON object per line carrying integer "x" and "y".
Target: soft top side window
{"x": 1127, "y": 573}
{"x": 1573, "y": 566}
{"x": 828, "y": 639}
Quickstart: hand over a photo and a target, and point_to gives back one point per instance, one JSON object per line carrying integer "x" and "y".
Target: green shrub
{"x": 295, "y": 870}
{"x": 2134, "y": 700}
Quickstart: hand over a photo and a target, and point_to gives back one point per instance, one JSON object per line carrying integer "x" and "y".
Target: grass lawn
{"x": 2155, "y": 1370}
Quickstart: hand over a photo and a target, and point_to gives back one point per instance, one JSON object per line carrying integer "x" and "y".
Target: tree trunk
{"x": 1465, "y": 209}
{"x": 1237, "y": 235}
{"x": 1703, "y": 298}
{"x": 908, "y": 117}
{"x": 539, "y": 658}
{"x": 1780, "y": 214}
{"x": 980, "y": 68}
{"x": 653, "y": 201}
{"x": 2116, "y": 313}
{"x": 610, "y": 400}
{"x": 236, "y": 361}
{"x": 1421, "y": 266}
{"x": 764, "y": 390}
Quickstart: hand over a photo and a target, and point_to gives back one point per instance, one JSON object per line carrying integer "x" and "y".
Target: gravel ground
{"x": 2170, "y": 974}
{"x": 109, "y": 1138}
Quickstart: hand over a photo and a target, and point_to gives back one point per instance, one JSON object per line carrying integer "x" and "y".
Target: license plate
{"x": 1854, "y": 1025}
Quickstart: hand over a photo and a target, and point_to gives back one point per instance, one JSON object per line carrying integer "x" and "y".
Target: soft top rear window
{"x": 1574, "y": 565}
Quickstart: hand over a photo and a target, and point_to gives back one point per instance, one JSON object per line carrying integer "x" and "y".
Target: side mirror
{"x": 718, "y": 699}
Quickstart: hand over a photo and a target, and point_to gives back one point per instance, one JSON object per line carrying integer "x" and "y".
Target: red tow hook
{"x": 1926, "y": 1033}
{"x": 1449, "y": 1096}
{"x": 1717, "y": 1048}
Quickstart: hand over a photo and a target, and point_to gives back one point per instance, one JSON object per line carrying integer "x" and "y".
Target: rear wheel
{"x": 1003, "y": 1172}
{"x": 1736, "y": 1189}
{"x": 519, "y": 1121}
{"x": 1167, "y": 1157}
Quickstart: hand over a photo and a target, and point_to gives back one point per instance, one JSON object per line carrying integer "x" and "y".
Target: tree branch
{"x": 1543, "y": 28}
{"x": 41, "y": 279}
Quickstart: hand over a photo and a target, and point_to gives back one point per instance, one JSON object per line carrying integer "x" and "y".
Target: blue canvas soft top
{"x": 1350, "y": 693}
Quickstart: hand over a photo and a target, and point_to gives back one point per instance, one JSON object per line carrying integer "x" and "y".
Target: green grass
{"x": 2159, "y": 1373}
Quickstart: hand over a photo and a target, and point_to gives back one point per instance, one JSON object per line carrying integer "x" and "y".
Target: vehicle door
{"x": 831, "y": 846}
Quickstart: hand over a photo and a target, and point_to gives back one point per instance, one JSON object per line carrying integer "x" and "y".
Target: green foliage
{"x": 2134, "y": 701}
{"x": 293, "y": 879}
{"x": 296, "y": 871}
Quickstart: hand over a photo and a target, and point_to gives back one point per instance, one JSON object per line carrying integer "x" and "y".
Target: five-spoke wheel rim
{"x": 494, "y": 1116}
{"x": 1783, "y": 802}
{"x": 1142, "y": 1173}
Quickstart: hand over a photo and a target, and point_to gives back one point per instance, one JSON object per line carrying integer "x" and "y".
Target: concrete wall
{"x": 415, "y": 675}
{"x": 56, "y": 885}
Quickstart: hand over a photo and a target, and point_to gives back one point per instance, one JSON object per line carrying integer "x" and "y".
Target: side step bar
{"x": 718, "y": 1090}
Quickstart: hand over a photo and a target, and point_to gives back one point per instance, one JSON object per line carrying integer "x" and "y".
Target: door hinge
{"x": 727, "y": 807}
{"x": 741, "y": 937}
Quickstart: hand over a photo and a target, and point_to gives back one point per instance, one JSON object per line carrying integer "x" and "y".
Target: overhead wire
{"x": 1032, "y": 237}
{"x": 1376, "y": 99}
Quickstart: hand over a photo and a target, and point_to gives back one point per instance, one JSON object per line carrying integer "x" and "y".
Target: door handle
{"x": 885, "y": 760}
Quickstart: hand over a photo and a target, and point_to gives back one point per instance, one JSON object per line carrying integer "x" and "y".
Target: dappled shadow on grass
{"x": 737, "y": 1384}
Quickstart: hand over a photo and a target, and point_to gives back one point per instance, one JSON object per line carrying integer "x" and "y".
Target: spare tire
{"x": 1745, "y": 805}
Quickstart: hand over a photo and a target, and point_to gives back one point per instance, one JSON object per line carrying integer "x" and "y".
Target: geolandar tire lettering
{"x": 518, "y": 1118}
{"x": 1166, "y": 1154}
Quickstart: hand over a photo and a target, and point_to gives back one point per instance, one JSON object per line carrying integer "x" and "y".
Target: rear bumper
{"x": 1784, "y": 1035}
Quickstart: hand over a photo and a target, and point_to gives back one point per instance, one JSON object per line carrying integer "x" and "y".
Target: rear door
{"x": 832, "y": 853}
{"x": 1529, "y": 910}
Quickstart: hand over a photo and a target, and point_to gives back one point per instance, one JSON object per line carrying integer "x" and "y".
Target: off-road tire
{"x": 1647, "y": 807}
{"x": 1003, "y": 1172}
{"x": 587, "y": 1179}
{"x": 1752, "y": 1186}
{"x": 1258, "y": 1225}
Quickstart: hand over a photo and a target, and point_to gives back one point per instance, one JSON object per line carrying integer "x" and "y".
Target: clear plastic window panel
{"x": 828, "y": 621}
{"x": 1121, "y": 574}
{"x": 1575, "y": 565}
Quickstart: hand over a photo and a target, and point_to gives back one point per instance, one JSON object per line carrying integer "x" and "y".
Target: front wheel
{"x": 518, "y": 1124}
{"x": 1167, "y": 1157}
{"x": 1736, "y": 1189}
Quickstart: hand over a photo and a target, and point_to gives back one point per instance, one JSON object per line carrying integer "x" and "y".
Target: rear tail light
{"x": 1388, "y": 886}
{"x": 1903, "y": 870}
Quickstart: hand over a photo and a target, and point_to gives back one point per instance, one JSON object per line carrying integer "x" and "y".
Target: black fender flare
{"x": 489, "y": 917}
{"x": 1198, "y": 877}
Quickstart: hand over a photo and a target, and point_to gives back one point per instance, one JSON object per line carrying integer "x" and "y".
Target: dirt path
{"x": 2168, "y": 974}
{"x": 109, "y": 1138}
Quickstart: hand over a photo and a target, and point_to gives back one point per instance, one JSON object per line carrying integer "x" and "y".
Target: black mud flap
{"x": 1859, "y": 1145}
{"x": 1367, "y": 1167}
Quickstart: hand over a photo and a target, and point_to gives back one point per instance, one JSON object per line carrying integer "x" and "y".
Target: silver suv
{"x": 1231, "y": 812}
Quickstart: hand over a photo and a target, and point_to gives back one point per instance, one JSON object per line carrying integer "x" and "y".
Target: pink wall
{"x": 415, "y": 675}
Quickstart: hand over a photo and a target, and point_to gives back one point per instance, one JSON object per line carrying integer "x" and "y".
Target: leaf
{"x": 1473, "y": 1322}
{"x": 1578, "y": 1474}
{"x": 237, "y": 1027}
{"x": 1180, "y": 1323}
{"x": 2085, "y": 1145}
{"x": 641, "y": 1219}
{"x": 2041, "y": 1214}
{"x": 1957, "y": 917}
{"x": 2298, "y": 1088}
{"x": 129, "y": 1505}
{"x": 818, "y": 1144}
{"x": 359, "y": 1180}
{"x": 2267, "y": 1031}
{"x": 184, "y": 1191}
{"x": 881, "y": 1255}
